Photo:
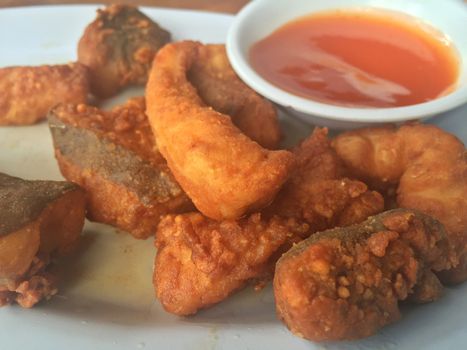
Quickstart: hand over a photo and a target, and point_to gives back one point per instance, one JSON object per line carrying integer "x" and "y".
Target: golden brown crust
{"x": 189, "y": 243}
{"x": 201, "y": 262}
{"x": 318, "y": 192}
{"x": 345, "y": 283}
{"x": 29, "y": 92}
{"x": 113, "y": 156}
{"x": 118, "y": 47}
{"x": 224, "y": 172}
{"x": 429, "y": 168}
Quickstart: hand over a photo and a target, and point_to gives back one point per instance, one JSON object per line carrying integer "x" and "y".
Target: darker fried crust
{"x": 118, "y": 47}
{"x": 345, "y": 283}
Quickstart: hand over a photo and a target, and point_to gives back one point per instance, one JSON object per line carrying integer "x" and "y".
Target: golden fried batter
{"x": 113, "y": 156}
{"x": 225, "y": 173}
{"x": 27, "y": 93}
{"x": 318, "y": 191}
{"x": 201, "y": 262}
{"x": 429, "y": 168}
{"x": 345, "y": 283}
{"x": 118, "y": 47}
{"x": 219, "y": 87}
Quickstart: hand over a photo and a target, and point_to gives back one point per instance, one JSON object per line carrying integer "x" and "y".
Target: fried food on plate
{"x": 429, "y": 168}
{"x": 318, "y": 191}
{"x": 200, "y": 261}
{"x": 38, "y": 220}
{"x": 118, "y": 47}
{"x": 219, "y": 87}
{"x": 27, "y": 93}
{"x": 113, "y": 156}
{"x": 224, "y": 172}
{"x": 345, "y": 283}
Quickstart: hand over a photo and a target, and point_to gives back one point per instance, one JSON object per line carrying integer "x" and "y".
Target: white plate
{"x": 106, "y": 300}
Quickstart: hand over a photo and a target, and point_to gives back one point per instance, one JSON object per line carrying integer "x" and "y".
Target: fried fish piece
{"x": 219, "y": 87}
{"x": 200, "y": 261}
{"x": 345, "y": 283}
{"x": 118, "y": 47}
{"x": 38, "y": 221}
{"x": 27, "y": 93}
{"x": 114, "y": 157}
{"x": 224, "y": 172}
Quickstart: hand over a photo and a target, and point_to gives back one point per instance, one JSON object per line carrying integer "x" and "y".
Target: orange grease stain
{"x": 358, "y": 58}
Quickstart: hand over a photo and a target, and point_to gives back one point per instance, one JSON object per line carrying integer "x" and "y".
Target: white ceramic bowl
{"x": 261, "y": 17}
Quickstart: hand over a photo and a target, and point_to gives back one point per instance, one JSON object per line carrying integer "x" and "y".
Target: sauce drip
{"x": 358, "y": 58}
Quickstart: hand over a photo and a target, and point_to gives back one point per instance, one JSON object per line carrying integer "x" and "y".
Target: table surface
{"x": 228, "y": 6}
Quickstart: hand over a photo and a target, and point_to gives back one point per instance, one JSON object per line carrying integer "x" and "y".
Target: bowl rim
{"x": 246, "y": 72}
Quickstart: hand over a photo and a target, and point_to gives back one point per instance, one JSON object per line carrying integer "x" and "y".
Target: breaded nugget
{"x": 118, "y": 47}
{"x": 224, "y": 172}
{"x": 345, "y": 283}
{"x": 27, "y": 93}
{"x": 429, "y": 168}
{"x": 219, "y": 87}
{"x": 38, "y": 221}
{"x": 113, "y": 156}
{"x": 201, "y": 262}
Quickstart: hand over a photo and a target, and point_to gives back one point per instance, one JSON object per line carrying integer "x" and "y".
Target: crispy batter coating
{"x": 38, "y": 221}
{"x": 318, "y": 191}
{"x": 219, "y": 87}
{"x": 201, "y": 262}
{"x": 345, "y": 283}
{"x": 225, "y": 173}
{"x": 429, "y": 168}
{"x": 27, "y": 93}
{"x": 113, "y": 156}
{"x": 118, "y": 47}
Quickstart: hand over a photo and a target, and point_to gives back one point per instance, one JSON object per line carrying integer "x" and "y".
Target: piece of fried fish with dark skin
{"x": 28, "y": 92}
{"x": 113, "y": 156}
{"x": 39, "y": 220}
{"x": 118, "y": 47}
{"x": 345, "y": 283}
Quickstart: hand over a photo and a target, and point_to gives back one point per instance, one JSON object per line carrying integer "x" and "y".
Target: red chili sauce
{"x": 358, "y": 58}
